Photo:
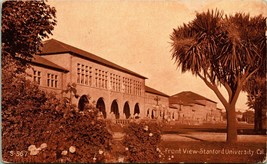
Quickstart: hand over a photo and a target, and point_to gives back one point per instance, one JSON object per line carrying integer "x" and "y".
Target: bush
{"x": 31, "y": 119}
{"x": 142, "y": 141}
{"x": 61, "y": 131}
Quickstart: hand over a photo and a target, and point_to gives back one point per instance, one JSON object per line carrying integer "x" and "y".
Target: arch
{"x": 126, "y": 110}
{"x": 115, "y": 109}
{"x": 147, "y": 112}
{"x": 136, "y": 109}
{"x": 82, "y": 102}
{"x": 101, "y": 106}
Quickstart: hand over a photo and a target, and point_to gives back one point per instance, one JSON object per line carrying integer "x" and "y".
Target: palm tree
{"x": 223, "y": 51}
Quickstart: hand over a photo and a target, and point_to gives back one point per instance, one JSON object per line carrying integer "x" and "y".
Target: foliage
{"x": 32, "y": 117}
{"x": 142, "y": 141}
{"x": 24, "y": 25}
{"x": 222, "y": 50}
{"x": 248, "y": 116}
{"x": 256, "y": 89}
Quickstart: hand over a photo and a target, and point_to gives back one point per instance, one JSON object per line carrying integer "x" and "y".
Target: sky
{"x": 136, "y": 35}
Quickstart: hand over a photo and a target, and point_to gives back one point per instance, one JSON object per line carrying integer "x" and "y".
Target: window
{"x": 100, "y": 79}
{"x": 86, "y": 75}
{"x": 106, "y": 80}
{"x": 78, "y": 73}
{"x": 82, "y": 74}
{"x": 56, "y": 81}
{"x": 114, "y": 82}
{"x": 90, "y": 77}
{"x": 48, "y": 80}
{"x": 96, "y": 77}
{"x": 52, "y": 80}
{"x": 37, "y": 76}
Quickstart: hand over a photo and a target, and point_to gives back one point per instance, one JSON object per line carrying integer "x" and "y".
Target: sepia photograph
{"x": 133, "y": 81}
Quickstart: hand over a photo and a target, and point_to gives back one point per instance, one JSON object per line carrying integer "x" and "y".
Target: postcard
{"x": 134, "y": 81}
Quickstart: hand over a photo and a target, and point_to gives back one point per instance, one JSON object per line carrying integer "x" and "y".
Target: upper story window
{"x": 136, "y": 87}
{"x": 37, "y": 76}
{"x": 52, "y": 80}
{"x": 128, "y": 85}
{"x": 78, "y": 73}
{"x": 84, "y": 74}
{"x": 115, "y": 82}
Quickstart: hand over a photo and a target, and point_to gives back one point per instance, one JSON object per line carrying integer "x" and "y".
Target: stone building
{"x": 195, "y": 109}
{"x": 156, "y": 104}
{"x": 116, "y": 91}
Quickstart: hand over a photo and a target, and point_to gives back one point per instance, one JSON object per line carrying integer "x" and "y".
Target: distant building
{"x": 156, "y": 103}
{"x": 195, "y": 109}
{"x": 239, "y": 115}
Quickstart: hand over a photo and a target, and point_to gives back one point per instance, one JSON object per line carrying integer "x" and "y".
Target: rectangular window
{"x": 90, "y": 77}
{"x": 96, "y": 70}
{"x": 86, "y": 75}
{"x": 99, "y": 79}
{"x": 82, "y": 74}
{"x": 48, "y": 80}
{"x": 110, "y": 81}
{"x": 37, "y": 76}
{"x": 56, "y": 81}
{"x": 78, "y": 73}
{"x": 106, "y": 80}
{"x": 52, "y": 80}
{"x": 130, "y": 86}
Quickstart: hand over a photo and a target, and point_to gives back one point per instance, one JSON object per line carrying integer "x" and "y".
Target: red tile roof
{"x": 53, "y": 46}
{"x": 188, "y": 98}
{"x": 154, "y": 91}
{"x": 38, "y": 60}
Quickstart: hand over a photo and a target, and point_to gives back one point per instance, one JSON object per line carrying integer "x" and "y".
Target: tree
{"x": 24, "y": 25}
{"x": 248, "y": 116}
{"x": 223, "y": 51}
{"x": 256, "y": 89}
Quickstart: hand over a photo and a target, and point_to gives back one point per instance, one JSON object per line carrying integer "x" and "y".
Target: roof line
{"x": 38, "y": 60}
{"x": 65, "y": 48}
{"x": 154, "y": 91}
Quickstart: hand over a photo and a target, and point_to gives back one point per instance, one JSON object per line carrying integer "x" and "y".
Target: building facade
{"x": 116, "y": 91}
{"x": 156, "y": 104}
{"x": 195, "y": 109}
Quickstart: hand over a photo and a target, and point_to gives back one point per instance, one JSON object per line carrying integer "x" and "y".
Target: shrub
{"x": 142, "y": 141}
{"x": 31, "y": 119}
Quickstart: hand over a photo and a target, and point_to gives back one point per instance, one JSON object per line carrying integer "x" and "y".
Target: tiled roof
{"x": 154, "y": 91}
{"x": 38, "y": 60}
{"x": 187, "y": 98}
{"x": 53, "y": 46}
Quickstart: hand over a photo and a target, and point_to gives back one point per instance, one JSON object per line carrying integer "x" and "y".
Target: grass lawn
{"x": 176, "y": 151}
{"x": 246, "y": 129}
{"x": 212, "y": 151}
{"x": 205, "y": 151}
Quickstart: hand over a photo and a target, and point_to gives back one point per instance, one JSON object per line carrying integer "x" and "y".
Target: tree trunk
{"x": 258, "y": 120}
{"x": 231, "y": 125}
